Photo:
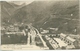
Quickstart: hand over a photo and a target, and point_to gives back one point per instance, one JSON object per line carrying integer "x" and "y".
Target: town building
{"x": 12, "y": 28}
{"x": 70, "y": 40}
{"x": 72, "y": 43}
{"x": 62, "y": 36}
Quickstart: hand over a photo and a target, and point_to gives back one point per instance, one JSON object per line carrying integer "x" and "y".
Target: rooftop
{"x": 70, "y": 38}
{"x": 62, "y": 34}
{"x": 61, "y": 43}
{"x": 14, "y": 32}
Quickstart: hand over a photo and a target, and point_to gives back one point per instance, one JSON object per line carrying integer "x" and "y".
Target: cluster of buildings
{"x": 9, "y": 29}
{"x": 12, "y": 28}
{"x": 49, "y": 30}
{"x": 63, "y": 41}
{"x": 72, "y": 43}
{"x": 52, "y": 42}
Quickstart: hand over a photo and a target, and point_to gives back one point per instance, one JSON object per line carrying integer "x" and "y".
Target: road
{"x": 32, "y": 34}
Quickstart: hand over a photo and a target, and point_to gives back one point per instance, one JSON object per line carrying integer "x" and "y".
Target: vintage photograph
{"x": 40, "y": 25}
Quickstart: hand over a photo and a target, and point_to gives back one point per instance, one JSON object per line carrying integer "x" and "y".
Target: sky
{"x": 20, "y": 2}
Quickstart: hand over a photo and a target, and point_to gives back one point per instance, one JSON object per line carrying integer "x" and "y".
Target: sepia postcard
{"x": 40, "y": 25}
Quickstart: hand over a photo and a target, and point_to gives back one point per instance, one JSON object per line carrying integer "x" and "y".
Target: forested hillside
{"x": 43, "y": 14}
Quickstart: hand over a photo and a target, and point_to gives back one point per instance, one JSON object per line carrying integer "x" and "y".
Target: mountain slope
{"x": 46, "y": 14}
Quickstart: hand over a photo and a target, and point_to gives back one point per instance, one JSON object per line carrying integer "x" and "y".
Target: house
{"x": 45, "y": 31}
{"x": 53, "y": 30}
{"x": 60, "y": 42}
{"x": 62, "y": 36}
{"x": 70, "y": 40}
